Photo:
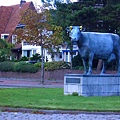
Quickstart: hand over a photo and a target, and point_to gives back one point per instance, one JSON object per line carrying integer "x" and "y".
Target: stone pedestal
{"x": 92, "y": 85}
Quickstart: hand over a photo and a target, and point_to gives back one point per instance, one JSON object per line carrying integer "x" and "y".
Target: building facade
{"x": 10, "y": 17}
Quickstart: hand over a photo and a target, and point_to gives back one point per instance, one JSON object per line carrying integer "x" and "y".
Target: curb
{"x": 41, "y": 111}
{"x": 30, "y": 86}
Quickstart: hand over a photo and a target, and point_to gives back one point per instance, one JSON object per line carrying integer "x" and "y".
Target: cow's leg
{"x": 91, "y": 56}
{"x": 84, "y": 64}
{"x": 117, "y": 55}
{"x": 118, "y": 63}
{"x": 103, "y": 67}
{"x": 118, "y": 72}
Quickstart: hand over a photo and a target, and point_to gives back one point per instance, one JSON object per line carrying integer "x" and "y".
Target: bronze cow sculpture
{"x": 95, "y": 45}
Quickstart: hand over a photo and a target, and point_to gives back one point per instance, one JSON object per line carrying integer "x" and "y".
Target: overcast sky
{"x": 14, "y": 2}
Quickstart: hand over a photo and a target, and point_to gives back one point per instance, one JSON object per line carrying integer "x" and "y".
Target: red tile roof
{"x": 5, "y": 13}
{"x": 10, "y": 17}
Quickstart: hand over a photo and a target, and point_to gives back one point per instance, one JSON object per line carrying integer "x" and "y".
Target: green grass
{"x": 53, "y": 98}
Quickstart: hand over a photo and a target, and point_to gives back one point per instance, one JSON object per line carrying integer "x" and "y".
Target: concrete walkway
{"x": 28, "y": 114}
{"x": 12, "y": 82}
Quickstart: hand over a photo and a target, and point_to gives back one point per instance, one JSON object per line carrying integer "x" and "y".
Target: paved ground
{"x": 12, "y": 82}
{"x": 49, "y": 114}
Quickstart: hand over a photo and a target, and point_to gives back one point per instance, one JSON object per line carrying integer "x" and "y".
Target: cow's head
{"x": 74, "y": 33}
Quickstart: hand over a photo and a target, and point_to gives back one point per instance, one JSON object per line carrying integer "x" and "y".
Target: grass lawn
{"x": 53, "y": 98}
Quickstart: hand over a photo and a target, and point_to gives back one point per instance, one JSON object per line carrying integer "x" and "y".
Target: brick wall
{"x": 56, "y": 74}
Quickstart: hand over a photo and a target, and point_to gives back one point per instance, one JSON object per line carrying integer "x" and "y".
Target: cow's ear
{"x": 81, "y": 28}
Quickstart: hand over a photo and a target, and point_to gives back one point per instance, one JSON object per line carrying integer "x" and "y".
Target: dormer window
{"x": 4, "y": 36}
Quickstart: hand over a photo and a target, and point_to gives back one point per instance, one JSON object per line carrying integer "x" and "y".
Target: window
{"x": 4, "y": 36}
{"x": 27, "y": 53}
{"x": 14, "y": 39}
{"x": 25, "y": 43}
{"x": 60, "y": 55}
{"x": 34, "y": 52}
{"x": 66, "y": 56}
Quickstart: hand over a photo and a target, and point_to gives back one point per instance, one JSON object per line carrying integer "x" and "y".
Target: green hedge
{"x": 57, "y": 65}
{"x": 6, "y": 66}
{"x": 54, "y": 65}
{"x": 25, "y": 67}
{"x": 22, "y": 66}
{"x": 18, "y": 67}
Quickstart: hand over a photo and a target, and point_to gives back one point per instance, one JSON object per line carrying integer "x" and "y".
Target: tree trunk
{"x": 42, "y": 66}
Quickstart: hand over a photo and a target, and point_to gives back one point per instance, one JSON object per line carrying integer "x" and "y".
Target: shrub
{"x": 25, "y": 67}
{"x": 18, "y": 67}
{"x": 24, "y": 58}
{"x": 77, "y": 62}
{"x": 6, "y": 66}
{"x": 74, "y": 94}
{"x": 57, "y": 65}
{"x": 36, "y": 57}
{"x": 2, "y": 58}
{"x": 38, "y": 64}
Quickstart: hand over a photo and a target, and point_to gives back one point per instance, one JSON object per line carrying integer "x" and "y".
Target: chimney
{"x": 22, "y": 2}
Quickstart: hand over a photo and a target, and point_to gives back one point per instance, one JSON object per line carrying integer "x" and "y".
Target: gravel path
{"x": 28, "y": 116}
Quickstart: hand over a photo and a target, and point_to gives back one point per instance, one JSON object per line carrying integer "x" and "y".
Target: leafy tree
{"x": 39, "y": 31}
{"x": 110, "y": 15}
{"x": 74, "y": 14}
{"x": 104, "y": 18}
{"x": 5, "y": 50}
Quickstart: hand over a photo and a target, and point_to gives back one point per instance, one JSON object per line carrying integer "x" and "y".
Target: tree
{"x": 39, "y": 31}
{"x": 5, "y": 50}
{"x": 80, "y": 13}
{"x": 105, "y": 18}
{"x": 110, "y": 15}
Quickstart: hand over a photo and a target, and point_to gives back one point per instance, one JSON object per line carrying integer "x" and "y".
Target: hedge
{"x": 57, "y": 65}
{"x": 18, "y": 67}
{"x": 6, "y": 66}
{"x": 22, "y": 66}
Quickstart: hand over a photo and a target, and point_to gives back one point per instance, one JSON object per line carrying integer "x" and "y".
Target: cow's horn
{"x": 80, "y": 28}
{"x": 70, "y": 27}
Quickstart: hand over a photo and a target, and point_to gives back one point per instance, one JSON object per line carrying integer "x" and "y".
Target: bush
{"x": 2, "y": 58}
{"x": 77, "y": 62}
{"x": 6, "y": 66}
{"x": 36, "y": 57}
{"x": 25, "y": 67}
{"x": 74, "y": 94}
{"x": 54, "y": 65}
{"x": 57, "y": 65}
{"x": 22, "y": 66}
{"x": 24, "y": 58}
{"x": 38, "y": 64}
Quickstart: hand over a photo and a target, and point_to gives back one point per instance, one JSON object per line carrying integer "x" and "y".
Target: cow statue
{"x": 95, "y": 45}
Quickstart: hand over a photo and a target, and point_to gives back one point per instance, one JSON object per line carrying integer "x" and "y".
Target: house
{"x": 10, "y": 19}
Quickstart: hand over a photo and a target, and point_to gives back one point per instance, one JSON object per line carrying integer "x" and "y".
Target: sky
{"x": 14, "y": 2}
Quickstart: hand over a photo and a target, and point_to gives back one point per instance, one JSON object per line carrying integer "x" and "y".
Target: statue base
{"x": 92, "y": 85}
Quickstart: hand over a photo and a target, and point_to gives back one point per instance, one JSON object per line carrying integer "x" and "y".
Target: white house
{"x": 10, "y": 20}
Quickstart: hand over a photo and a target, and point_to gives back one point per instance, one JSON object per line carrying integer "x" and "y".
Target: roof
{"x": 10, "y": 17}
